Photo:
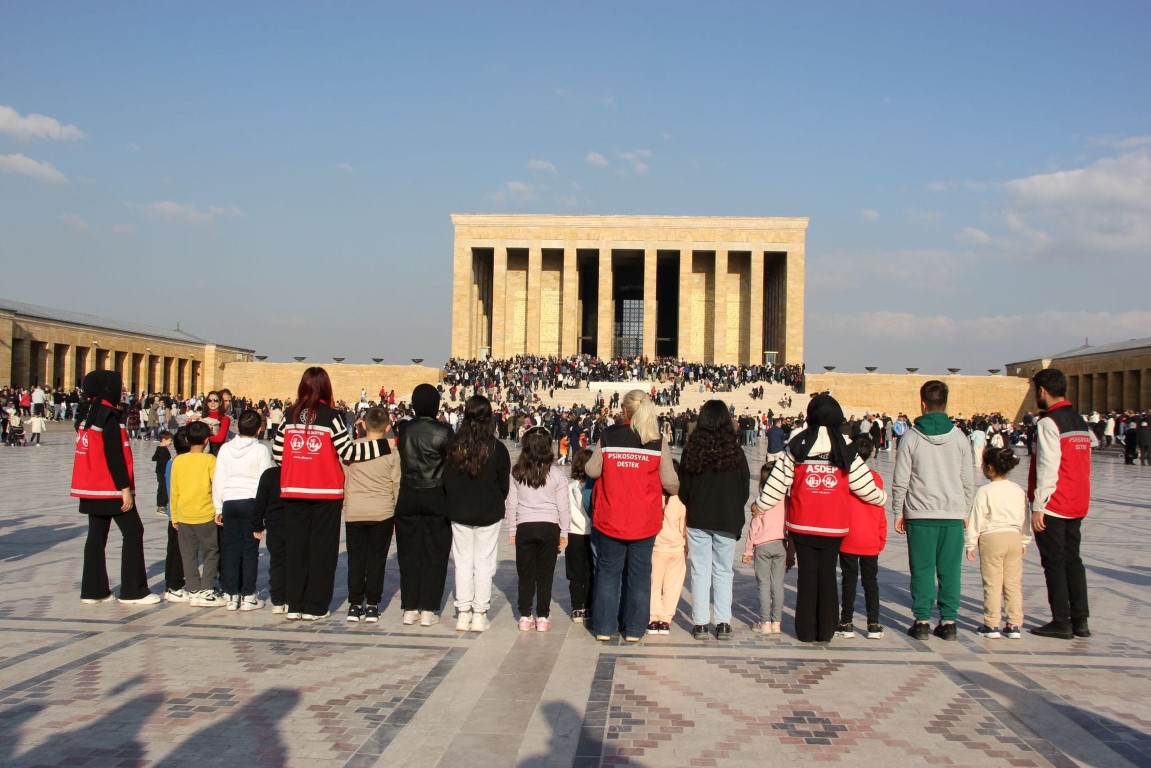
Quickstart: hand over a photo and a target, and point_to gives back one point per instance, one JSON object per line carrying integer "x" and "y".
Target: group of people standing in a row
{"x": 446, "y": 493}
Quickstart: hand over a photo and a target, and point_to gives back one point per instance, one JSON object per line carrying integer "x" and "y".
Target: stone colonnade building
{"x": 56, "y": 347}
{"x": 706, "y": 289}
{"x": 1108, "y": 377}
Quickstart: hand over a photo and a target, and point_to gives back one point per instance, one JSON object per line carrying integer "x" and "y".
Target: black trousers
{"x": 578, "y": 568}
{"x": 133, "y": 574}
{"x": 852, "y": 567}
{"x": 277, "y": 553}
{"x": 816, "y": 601}
{"x": 537, "y": 549}
{"x": 239, "y": 549}
{"x": 423, "y": 546}
{"x": 367, "y": 544}
{"x": 311, "y": 551}
{"x": 173, "y": 562}
{"x": 161, "y": 491}
{"x": 1063, "y": 570}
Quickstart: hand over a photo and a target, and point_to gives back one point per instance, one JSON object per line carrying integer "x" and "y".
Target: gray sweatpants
{"x": 770, "y": 566}
{"x": 196, "y": 541}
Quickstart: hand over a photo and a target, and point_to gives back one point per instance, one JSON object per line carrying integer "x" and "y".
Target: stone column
{"x": 463, "y": 302}
{"x": 499, "y": 305}
{"x": 650, "y": 257}
{"x": 534, "y": 296}
{"x": 606, "y": 310}
{"x": 68, "y": 370}
{"x": 49, "y": 368}
{"x": 755, "y": 334}
{"x": 719, "y": 316}
{"x": 686, "y": 350}
{"x": 792, "y": 353}
{"x": 569, "y": 332}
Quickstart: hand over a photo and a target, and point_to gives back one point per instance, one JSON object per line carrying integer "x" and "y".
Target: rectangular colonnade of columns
{"x": 52, "y": 365}
{"x": 1110, "y": 390}
{"x": 532, "y": 297}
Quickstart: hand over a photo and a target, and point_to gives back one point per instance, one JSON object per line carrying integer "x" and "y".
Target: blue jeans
{"x": 613, "y": 557}
{"x": 710, "y": 557}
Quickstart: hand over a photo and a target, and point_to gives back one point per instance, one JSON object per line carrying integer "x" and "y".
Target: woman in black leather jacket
{"x": 423, "y": 533}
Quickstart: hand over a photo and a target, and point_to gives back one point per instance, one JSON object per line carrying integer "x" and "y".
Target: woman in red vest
{"x": 310, "y": 446}
{"x": 633, "y": 466}
{"x": 820, "y": 470}
{"x": 102, "y": 478}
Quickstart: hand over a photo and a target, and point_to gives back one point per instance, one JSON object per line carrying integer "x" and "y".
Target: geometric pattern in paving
{"x": 113, "y": 685}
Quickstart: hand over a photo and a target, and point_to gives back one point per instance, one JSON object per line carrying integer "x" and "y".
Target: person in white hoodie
{"x": 238, "y": 468}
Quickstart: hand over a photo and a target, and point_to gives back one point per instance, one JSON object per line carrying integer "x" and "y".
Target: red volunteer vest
{"x": 868, "y": 524}
{"x": 628, "y": 497}
{"x": 310, "y": 468}
{"x": 1072, "y": 496}
{"x": 90, "y": 476}
{"x": 819, "y": 500}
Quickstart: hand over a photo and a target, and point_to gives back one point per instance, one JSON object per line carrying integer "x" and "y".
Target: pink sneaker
{"x": 543, "y": 624}
{"x": 527, "y": 623}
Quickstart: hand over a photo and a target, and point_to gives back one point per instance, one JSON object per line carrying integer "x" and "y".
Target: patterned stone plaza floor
{"x": 112, "y": 685}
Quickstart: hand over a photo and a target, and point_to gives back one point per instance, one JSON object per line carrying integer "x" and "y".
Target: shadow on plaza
{"x": 1137, "y": 576}
{"x": 566, "y": 723}
{"x": 1126, "y": 744}
{"x": 249, "y": 735}
{"x": 24, "y": 543}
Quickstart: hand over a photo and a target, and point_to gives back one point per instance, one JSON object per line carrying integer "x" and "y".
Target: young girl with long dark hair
{"x": 476, "y": 478}
{"x": 538, "y": 517}
{"x": 714, "y": 483}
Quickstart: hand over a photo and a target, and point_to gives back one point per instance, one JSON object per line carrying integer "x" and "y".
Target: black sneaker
{"x": 1060, "y": 630}
{"x": 990, "y": 633}
{"x": 372, "y": 614}
{"x": 723, "y": 631}
{"x": 920, "y": 630}
{"x": 874, "y": 631}
{"x": 653, "y": 628}
{"x": 845, "y": 630}
{"x": 355, "y": 612}
{"x": 1079, "y": 628}
{"x": 946, "y": 631}
{"x": 1012, "y": 632}
{"x": 699, "y": 632}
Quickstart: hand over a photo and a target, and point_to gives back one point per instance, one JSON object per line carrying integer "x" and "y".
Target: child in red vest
{"x": 859, "y": 555}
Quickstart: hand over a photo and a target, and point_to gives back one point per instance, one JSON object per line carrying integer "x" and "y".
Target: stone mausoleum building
{"x": 709, "y": 289}
{"x": 56, "y": 347}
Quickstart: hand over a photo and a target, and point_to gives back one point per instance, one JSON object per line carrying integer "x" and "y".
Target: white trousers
{"x": 474, "y": 550}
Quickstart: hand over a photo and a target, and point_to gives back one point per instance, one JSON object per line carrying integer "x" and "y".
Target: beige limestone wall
{"x": 892, "y": 394}
{"x": 1109, "y": 381}
{"x": 281, "y": 380}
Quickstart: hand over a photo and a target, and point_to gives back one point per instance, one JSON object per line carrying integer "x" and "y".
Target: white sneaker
{"x": 176, "y": 596}
{"x": 111, "y": 598}
{"x": 464, "y": 621}
{"x": 251, "y": 603}
{"x": 410, "y": 617}
{"x": 205, "y": 598}
{"x": 281, "y": 608}
{"x": 293, "y": 616}
{"x": 315, "y": 616}
{"x": 231, "y": 602}
{"x": 479, "y": 622}
{"x": 428, "y": 618}
{"x": 149, "y": 599}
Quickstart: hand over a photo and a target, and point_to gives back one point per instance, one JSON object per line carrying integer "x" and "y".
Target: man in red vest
{"x": 1059, "y": 489}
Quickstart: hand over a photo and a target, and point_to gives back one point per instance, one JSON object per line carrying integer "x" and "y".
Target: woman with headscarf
{"x": 103, "y": 480}
{"x": 633, "y": 466}
{"x": 423, "y": 531}
{"x": 820, "y": 470}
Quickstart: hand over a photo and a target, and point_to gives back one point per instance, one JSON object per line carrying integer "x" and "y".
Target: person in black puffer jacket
{"x": 423, "y": 532}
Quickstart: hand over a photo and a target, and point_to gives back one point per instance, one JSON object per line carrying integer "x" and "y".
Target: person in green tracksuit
{"x": 931, "y": 494}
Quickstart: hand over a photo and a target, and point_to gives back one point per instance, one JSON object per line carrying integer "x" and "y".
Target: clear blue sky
{"x": 280, "y": 175}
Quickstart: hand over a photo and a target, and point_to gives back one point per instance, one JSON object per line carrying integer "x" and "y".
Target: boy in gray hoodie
{"x": 931, "y": 493}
